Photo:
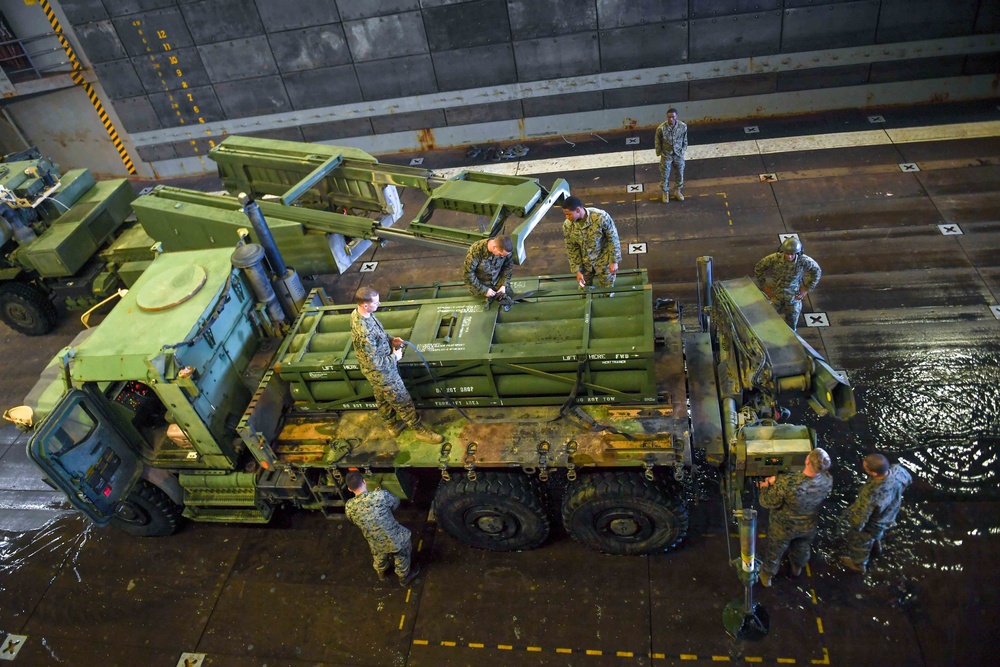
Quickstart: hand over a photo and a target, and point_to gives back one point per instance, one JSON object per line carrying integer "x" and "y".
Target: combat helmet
{"x": 791, "y": 246}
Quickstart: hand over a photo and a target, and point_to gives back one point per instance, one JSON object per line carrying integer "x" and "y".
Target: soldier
{"x": 489, "y": 266}
{"x": 875, "y": 509}
{"x": 794, "y": 501}
{"x": 377, "y": 356}
{"x": 592, "y": 245}
{"x": 793, "y": 275}
{"x": 371, "y": 511}
{"x": 671, "y": 144}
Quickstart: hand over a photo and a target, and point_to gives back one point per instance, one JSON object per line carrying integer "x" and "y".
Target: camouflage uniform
{"x": 671, "y": 144}
{"x": 787, "y": 279}
{"x": 874, "y": 511}
{"x": 373, "y": 347}
{"x": 388, "y": 539}
{"x": 592, "y": 246}
{"x": 794, "y": 501}
{"x": 485, "y": 271}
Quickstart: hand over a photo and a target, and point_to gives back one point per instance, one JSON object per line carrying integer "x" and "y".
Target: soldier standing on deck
{"x": 371, "y": 511}
{"x": 489, "y": 266}
{"x": 875, "y": 509}
{"x": 793, "y": 275}
{"x": 592, "y": 245}
{"x": 671, "y": 144}
{"x": 794, "y": 501}
{"x": 378, "y": 355}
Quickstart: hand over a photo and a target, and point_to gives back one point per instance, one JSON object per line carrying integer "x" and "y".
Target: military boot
{"x": 380, "y": 574}
{"x": 410, "y": 576}
{"x": 421, "y": 432}
{"x": 851, "y": 565}
{"x": 397, "y": 428}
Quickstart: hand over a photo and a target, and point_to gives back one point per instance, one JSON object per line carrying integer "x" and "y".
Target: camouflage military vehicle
{"x": 191, "y": 401}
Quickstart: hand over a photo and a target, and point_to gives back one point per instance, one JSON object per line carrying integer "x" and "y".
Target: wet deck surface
{"x": 910, "y": 322}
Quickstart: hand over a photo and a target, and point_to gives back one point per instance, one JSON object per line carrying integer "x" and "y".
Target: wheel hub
{"x": 490, "y": 524}
{"x": 623, "y": 527}
{"x": 20, "y": 314}
{"x": 130, "y": 513}
{"x": 491, "y": 521}
{"x": 624, "y": 523}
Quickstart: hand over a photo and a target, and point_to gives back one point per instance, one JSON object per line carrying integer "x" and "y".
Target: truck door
{"x": 85, "y": 455}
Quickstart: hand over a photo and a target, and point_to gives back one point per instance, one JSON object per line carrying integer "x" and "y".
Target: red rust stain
{"x": 629, "y": 124}
{"x": 426, "y": 139}
{"x": 520, "y": 128}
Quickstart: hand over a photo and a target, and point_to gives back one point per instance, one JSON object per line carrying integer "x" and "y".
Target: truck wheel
{"x": 623, "y": 513}
{"x": 147, "y": 512}
{"x": 26, "y": 309}
{"x": 497, "y": 511}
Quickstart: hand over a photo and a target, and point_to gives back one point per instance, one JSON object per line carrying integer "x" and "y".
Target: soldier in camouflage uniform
{"x": 793, "y": 275}
{"x": 875, "y": 509}
{"x": 794, "y": 501}
{"x": 378, "y": 355}
{"x": 389, "y": 540}
{"x": 671, "y": 144}
{"x": 489, "y": 266}
{"x": 592, "y": 245}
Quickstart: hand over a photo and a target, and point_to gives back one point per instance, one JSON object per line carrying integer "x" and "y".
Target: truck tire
{"x": 27, "y": 309}
{"x": 496, "y": 512}
{"x": 147, "y": 512}
{"x": 623, "y": 513}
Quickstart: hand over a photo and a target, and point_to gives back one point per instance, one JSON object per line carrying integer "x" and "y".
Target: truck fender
{"x": 166, "y": 482}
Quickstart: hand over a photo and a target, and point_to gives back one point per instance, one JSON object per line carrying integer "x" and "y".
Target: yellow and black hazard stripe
{"x": 77, "y": 76}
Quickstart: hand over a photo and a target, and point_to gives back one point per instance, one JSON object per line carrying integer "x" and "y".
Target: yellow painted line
{"x": 825, "y": 660}
{"x": 534, "y": 649}
{"x": 754, "y": 659}
{"x": 420, "y": 545}
{"x": 659, "y": 656}
{"x": 624, "y": 654}
{"x": 505, "y": 647}
{"x": 907, "y": 135}
{"x": 474, "y": 645}
{"x": 786, "y": 661}
{"x": 401, "y": 620}
{"x": 409, "y": 591}
{"x": 819, "y": 624}
{"x": 591, "y": 651}
{"x": 812, "y": 593}
{"x": 564, "y": 650}
{"x": 688, "y": 656}
{"x": 720, "y": 658}
{"x": 824, "y": 141}
{"x": 420, "y": 642}
{"x": 447, "y": 643}
{"x": 809, "y": 571}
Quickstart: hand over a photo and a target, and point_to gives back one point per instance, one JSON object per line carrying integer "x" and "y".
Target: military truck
{"x": 580, "y": 407}
{"x": 68, "y": 240}
{"x": 52, "y": 227}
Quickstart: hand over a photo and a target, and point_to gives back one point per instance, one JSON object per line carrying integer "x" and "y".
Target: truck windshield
{"x": 74, "y": 428}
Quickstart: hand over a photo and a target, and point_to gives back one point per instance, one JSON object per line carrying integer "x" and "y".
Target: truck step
{"x": 261, "y": 514}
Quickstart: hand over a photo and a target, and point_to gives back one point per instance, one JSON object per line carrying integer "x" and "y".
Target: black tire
{"x": 147, "y": 512}
{"x": 623, "y": 513}
{"x": 27, "y": 309}
{"x": 497, "y": 512}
